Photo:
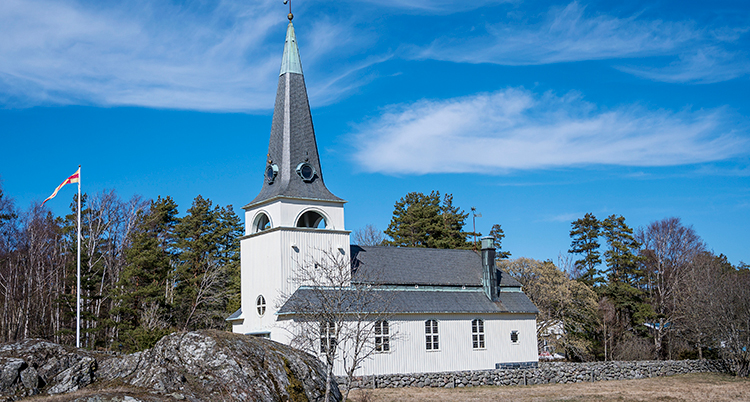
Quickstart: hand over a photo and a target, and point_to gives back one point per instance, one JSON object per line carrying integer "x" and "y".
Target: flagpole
{"x": 78, "y": 279}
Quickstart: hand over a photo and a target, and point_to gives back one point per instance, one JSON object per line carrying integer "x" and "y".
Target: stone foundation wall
{"x": 545, "y": 373}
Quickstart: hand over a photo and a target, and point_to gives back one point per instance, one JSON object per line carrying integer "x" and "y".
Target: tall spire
{"x": 292, "y": 166}
{"x": 290, "y": 62}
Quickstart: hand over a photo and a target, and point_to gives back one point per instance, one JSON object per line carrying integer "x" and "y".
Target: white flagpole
{"x": 78, "y": 280}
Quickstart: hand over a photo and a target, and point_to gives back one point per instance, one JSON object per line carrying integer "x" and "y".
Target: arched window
{"x": 260, "y": 305}
{"x": 261, "y": 223}
{"x": 382, "y": 337}
{"x": 311, "y": 219}
{"x": 477, "y": 333}
{"x": 431, "y": 335}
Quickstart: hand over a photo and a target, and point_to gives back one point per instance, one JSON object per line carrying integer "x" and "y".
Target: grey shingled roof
{"x": 412, "y": 302}
{"x": 506, "y": 280}
{"x": 234, "y": 315}
{"x": 292, "y": 125}
{"x": 416, "y": 266}
{"x": 420, "y": 266}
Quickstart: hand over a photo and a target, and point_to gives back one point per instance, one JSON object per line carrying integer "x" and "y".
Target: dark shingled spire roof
{"x": 292, "y": 135}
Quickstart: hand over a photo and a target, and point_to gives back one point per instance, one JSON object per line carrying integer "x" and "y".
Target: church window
{"x": 261, "y": 223}
{"x": 260, "y": 305}
{"x": 382, "y": 337}
{"x": 431, "y": 335}
{"x": 311, "y": 219}
{"x": 514, "y": 336}
{"x": 271, "y": 171}
{"x": 306, "y": 172}
{"x": 477, "y": 333}
{"x": 327, "y": 336}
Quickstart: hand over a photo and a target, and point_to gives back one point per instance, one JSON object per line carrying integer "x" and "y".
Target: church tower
{"x": 295, "y": 218}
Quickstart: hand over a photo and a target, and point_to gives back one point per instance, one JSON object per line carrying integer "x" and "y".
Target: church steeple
{"x": 292, "y": 165}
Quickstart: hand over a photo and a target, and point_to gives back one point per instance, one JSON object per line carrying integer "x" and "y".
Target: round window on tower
{"x": 306, "y": 171}
{"x": 261, "y": 223}
{"x": 271, "y": 171}
{"x": 260, "y": 305}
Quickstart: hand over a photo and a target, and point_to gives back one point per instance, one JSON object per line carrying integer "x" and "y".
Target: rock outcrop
{"x": 192, "y": 366}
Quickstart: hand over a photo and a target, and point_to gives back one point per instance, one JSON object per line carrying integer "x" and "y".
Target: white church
{"x": 449, "y": 310}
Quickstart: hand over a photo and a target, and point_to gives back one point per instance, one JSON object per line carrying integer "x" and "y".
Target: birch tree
{"x": 334, "y": 318}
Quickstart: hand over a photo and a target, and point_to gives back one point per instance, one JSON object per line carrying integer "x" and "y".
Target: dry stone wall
{"x": 545, "y": 373}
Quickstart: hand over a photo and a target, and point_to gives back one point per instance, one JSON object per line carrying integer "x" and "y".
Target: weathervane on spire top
{"x": 290, "y": 16}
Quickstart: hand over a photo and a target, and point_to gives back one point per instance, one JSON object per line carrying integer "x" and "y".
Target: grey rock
{"x": 75, "y": 377}
{"x": 193, "y": 366}
{"x": 30, "y": 379}
{"x": 11, "y": 368}
{"x": 222, "y": 365}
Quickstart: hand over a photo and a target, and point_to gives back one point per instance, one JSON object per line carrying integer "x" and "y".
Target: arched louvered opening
{"x": 311, "y": 219}
{"x": 261, "y": 223}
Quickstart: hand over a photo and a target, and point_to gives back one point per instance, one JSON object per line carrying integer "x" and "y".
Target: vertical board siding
{"x": 409, "y": 355}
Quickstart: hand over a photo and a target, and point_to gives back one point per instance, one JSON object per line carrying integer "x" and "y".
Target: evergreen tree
{"x": 585, "y": 235}
{"x": 451, "y": 234}
{"x": 497, "y": 233}
{"x": 231, "y": 230}
{"x": 421, "y": 220}
{"x": 144, "y": 284}
{"x": 622, "y": 255}
{"x": 208, "y": 247}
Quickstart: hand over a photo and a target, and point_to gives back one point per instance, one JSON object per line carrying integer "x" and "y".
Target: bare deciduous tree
{"x": 669, "y": 249}
{"x": 368, "y": 236}
{"x": 334, "y": 318}
{"x": 560, "y": 300}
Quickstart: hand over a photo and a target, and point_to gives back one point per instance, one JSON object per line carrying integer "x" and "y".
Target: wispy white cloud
{"x": 221, "y": 55}
{"x": 515, "y": 129}
{"x": 146, "y": 54}
{"x": 573, "y": 34}
{"x": 705, "y": 65}
{"x": 436, "y": 6}
{"x": 565, "y": 34}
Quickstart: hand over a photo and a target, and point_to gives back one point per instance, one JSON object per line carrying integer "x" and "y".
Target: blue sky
{"x": 534, "y": 112}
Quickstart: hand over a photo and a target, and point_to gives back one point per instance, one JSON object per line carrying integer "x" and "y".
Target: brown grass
{"x": 690, "y": 387}
{"x": 113, "y": 391}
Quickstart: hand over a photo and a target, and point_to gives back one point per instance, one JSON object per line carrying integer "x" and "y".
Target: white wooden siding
{"x": 409, "y": 355}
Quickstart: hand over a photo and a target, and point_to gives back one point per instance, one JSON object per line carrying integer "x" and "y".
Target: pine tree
{"x": 424, "y": 221}
{"x": 498, "y": 234}
{"x": 585, "y": 235}
{"x": 622, "y": 256}
{"x": 142, "y": 290}
{"x": 451, "y": 234}
{"x": 208, "y": 251}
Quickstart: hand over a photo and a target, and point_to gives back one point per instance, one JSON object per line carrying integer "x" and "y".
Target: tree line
{"x": 145, "y": 271}
{"x": 656, "y": 292}
{"x": 662, "y": 293}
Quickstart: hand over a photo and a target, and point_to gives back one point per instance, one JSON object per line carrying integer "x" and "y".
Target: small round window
{"x": 271, "y": 171}
{"x": 311, "y": 219}
{"x": 261, "y": 223}
{"x": 306, "y": 171}
{"x": 260, "y": 304}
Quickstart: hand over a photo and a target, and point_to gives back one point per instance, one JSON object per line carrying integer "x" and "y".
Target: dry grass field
{"x": 691, "y": 387}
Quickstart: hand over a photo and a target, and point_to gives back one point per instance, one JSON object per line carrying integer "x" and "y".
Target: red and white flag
{"x": 75, "y": 178}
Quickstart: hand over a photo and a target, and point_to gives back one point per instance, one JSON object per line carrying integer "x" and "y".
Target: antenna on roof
{"x": 474, "y": 216}
{"x": 290, "y": 16}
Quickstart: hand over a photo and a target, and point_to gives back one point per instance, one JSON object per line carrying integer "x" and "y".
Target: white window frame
{"x": 477, "y": 334}
{"x": 260, "y": 305}
{"x": 382, "y": 337}
{"x": 431, "y": 333}
{"x": 518, "y": 337}
{"x": 327, "y": 334}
